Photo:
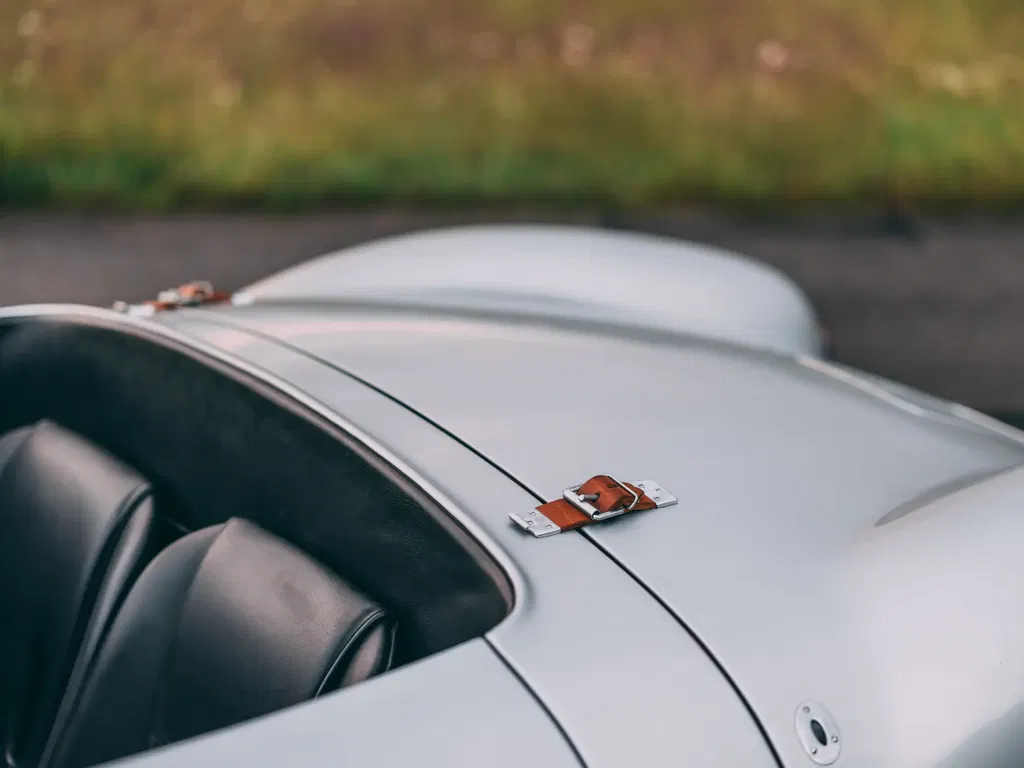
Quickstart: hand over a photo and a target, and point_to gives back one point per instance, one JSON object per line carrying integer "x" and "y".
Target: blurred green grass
{"x": 163, "y": 104}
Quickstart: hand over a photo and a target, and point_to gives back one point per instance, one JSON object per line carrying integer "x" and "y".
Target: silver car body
{"x": 841, "y": 542}
{"x": 630, "y": 280}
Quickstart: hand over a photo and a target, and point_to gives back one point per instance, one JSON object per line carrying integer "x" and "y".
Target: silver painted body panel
{"x": 789, "y": 554}
{"x": 639, "y": 281}
{"x": 573, "y": 654}
{"x": 625, "y": 681}
{"x": 448, "y": 710}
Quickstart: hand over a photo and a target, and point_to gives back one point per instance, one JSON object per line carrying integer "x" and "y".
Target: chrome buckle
{"x": 582, "y": 503}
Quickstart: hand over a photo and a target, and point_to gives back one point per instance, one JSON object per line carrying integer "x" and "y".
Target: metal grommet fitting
{"x": 818, "y": 733}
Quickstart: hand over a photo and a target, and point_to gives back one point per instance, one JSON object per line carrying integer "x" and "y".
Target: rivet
{"x": 807, "y": 709}
{"x": 835, "y": 739}
{"x": 814, "y": 750}
{"x": 530, "y": 522}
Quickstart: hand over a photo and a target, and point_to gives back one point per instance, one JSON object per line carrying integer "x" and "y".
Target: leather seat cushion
{"x": 226, "y": 624}
{"x": 74, "y": 532}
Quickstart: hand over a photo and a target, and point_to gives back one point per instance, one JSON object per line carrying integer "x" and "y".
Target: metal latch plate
{"x": 536, "y": 523}
{"x": 656, "y": 493}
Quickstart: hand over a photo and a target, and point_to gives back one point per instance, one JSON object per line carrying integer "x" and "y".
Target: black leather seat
{"x": 75, "y": 529}
{"x": 226, "y": 624}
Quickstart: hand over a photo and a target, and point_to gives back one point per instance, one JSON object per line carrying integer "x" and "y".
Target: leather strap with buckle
{"x": 600, "y": 498}
{"x": 193, "y": 294}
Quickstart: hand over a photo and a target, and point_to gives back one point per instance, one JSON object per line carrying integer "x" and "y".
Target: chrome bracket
{"x": 536, "y": 523}
{"x": 818, "y": 733}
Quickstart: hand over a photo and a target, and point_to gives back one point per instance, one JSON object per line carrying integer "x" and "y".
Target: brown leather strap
{"x": 610, "y": 495}
{"x": 190, "y": 292}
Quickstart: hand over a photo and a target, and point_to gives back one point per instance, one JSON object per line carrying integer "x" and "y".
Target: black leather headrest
{"x": 74, "y": 524}
{"x": 263, "y": 626}
{"x": 226, "y": 624}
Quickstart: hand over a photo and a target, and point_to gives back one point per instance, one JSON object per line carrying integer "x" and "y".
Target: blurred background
{"x": 873, "y": 149}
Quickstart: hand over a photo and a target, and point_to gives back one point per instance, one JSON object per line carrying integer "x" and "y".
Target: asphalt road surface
{"x": 939, "y": 305}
